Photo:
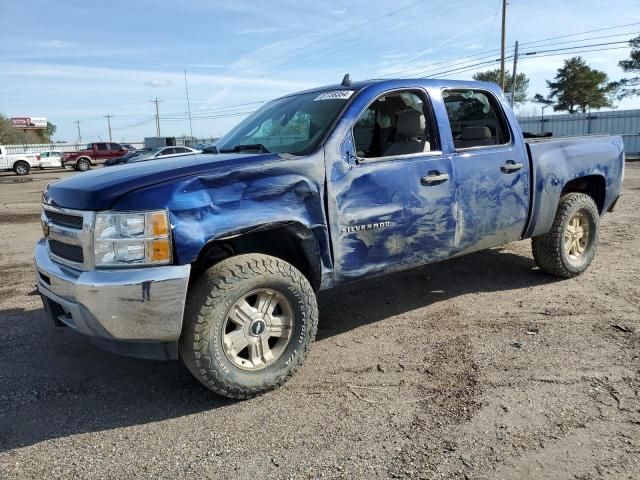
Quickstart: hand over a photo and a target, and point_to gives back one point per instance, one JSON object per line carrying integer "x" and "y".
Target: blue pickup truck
{"x": 216, "y": 258}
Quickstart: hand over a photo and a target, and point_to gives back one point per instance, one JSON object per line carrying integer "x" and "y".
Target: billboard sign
{"x": 29, "y": 123}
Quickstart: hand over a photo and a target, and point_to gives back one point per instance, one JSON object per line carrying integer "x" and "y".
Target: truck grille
{"x": 64, "y": 219}
{"x": 72, "y": 253}
{"x": 69, "y": 236}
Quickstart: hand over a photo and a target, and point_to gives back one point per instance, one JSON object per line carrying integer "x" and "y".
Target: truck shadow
{"x": 368, "y": 301}
{"x": 53, "y": 383}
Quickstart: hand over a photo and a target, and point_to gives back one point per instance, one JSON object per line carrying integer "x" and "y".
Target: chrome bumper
{"x": 141, "y": 305}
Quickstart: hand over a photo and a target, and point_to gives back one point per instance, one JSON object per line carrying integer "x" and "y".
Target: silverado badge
{"x": 367, "y": 226}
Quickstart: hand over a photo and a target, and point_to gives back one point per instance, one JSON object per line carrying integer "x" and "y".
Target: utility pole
{"x": 77, "y": 122}
{"x": 108, "y": 117}
{"x": 156, "y": 101}
{"x": 513, "y": 75}
{"x": 504, "y": 30}
{"x": 188, "y": 104}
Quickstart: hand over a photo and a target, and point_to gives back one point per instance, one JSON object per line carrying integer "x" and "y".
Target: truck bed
{"x": 556, "y": 161}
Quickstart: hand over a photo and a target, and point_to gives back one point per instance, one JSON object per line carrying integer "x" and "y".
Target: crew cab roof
{"x": 392, "y": 83}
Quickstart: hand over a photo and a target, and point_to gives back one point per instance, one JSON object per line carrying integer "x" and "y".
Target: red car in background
{"x": 94, "y": 154}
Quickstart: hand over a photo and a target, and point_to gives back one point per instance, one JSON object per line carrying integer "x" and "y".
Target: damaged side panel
{"x": 228, "y": 201}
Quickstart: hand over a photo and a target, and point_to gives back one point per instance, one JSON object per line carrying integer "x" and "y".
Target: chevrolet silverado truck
{"x": 216, "y": 258}
{"x": 20, "y": 163}
{"x": 94, "y": 154}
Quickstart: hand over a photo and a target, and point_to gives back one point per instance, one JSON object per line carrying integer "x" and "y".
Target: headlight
{"x": 132, "y": 239}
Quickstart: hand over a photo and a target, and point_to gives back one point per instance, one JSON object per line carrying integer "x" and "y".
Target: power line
{"x": 133, "y": 125}
{"x": 377, "y": 35}
{"x": 224, "y": 107}
{"x": 491, "y": 53}
{"x": 580, "y": 33}
{"x": 542, "y": 53}
{"x": 576, "y": 47}
{"x": 331, "y": 36}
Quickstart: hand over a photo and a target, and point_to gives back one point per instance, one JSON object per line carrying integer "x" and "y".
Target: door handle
{"x": 434, "y": 177}
{"x": 511, "y": 166}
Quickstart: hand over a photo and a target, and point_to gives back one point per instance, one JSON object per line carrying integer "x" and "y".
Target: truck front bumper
{"x": 136, "y": 311}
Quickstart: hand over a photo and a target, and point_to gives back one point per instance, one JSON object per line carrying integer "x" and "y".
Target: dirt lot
{"x": 480, "y": 367}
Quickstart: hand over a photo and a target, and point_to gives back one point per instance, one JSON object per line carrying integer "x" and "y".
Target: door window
{"x": 476, "y": 119}
{"x": 167, "y": 151}
{"x": 115, "y": 147}
{"x": 397, "y": 123}
{"x": 181, "y": 150}
{"x": 101, "y": 146}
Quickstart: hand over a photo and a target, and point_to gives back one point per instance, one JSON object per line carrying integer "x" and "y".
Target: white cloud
{"x": 258, "y": 31}
{"x": 54, "y": 44}
{"x": 159, "y": 83}
{"x": 341, "y": 11}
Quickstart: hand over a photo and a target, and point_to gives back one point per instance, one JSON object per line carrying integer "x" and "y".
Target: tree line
{"x": 576, "y": 86}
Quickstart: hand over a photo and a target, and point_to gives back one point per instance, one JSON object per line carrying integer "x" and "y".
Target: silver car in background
{"x": 164, "y": 152}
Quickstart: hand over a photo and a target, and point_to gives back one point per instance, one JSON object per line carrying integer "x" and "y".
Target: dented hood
{"x": 100, "y": 189}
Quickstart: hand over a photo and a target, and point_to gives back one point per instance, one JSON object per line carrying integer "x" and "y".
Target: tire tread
{"x": 210, "y": 290}
{"x": 547, "y": 248}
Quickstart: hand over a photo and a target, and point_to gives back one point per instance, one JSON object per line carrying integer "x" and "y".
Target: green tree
{"x": 578, "y": 87}
{"x": 50, "y": 131}
{"x": 522, "y": 83}
{"x": 629, "y": 87}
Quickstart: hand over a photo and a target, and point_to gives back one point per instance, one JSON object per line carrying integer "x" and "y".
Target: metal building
{"x": 620, "y": 122}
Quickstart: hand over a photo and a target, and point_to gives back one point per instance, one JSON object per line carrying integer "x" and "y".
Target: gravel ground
{"x": 480, "y": 367}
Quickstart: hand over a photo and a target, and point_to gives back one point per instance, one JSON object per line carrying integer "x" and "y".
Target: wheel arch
{"x": 593, "y": 185}
{"x": 291, "y": 241}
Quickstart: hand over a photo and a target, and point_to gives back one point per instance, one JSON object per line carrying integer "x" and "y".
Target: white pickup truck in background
{"x": 20, "y": 163}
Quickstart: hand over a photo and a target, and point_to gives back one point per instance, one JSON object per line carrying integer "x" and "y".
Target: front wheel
{"x": 249, "y": 322}
{"x": 21, "y": 168}
{"x": 569, "y": 247}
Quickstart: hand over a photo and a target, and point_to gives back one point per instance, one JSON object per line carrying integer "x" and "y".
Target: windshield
{"x": 294, "y": 124}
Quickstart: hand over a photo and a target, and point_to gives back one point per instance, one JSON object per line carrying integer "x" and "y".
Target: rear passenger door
{"x": 181, "y": 150}
{"x": 491, "y": 171}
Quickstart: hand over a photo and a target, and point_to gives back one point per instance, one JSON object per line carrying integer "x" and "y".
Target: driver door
{"x": 391, "y": 195}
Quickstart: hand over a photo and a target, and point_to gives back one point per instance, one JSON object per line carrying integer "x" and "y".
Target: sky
{"x": 81, "y": 60}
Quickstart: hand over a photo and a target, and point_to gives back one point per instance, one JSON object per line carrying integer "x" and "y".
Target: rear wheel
{"x": 83, "y": 164}
{"x": 248, "y": 325}
{"x": 21, "y": 168}
{"x": 569, "y": 247}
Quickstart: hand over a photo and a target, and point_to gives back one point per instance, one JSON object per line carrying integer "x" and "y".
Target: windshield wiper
{"x": 243, "y": 148}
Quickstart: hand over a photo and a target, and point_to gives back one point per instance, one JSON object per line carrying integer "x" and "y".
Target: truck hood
{"x": 100, "y": 189}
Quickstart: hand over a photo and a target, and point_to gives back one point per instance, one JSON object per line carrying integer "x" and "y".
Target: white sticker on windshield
{"x": 334, "y": 95}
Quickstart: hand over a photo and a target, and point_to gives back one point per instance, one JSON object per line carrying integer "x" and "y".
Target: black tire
{"x": 209, "y": 300}
{"x": 21, "y": 168}
{"x": 548, "y": 250}
{"x": 83, "y": 164}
